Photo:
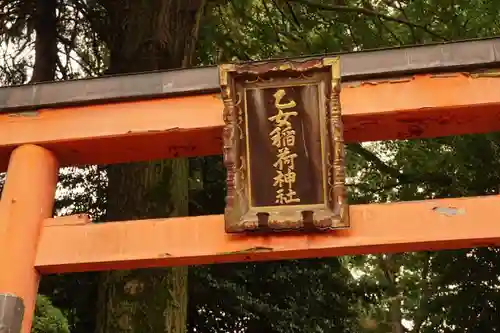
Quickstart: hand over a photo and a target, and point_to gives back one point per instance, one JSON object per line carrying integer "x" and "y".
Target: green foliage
{"x": 287, "y": 296}
{"x": 48, "y": 319}
{"x": 432, "y": 288}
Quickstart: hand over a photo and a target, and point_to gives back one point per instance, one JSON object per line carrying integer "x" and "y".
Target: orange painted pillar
{"x": 27, "y": 199}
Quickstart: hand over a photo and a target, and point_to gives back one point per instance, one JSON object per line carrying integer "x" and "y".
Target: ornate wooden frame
{"x": 240, "y": 216}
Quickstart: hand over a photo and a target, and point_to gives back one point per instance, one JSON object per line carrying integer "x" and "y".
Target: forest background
{"x": 446, "y": 291}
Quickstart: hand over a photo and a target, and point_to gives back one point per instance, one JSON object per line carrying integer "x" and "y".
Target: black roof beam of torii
{"x": 466, "y": 55}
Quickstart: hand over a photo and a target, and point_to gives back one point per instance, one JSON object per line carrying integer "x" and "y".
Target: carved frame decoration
{"x": 240, "y": 214}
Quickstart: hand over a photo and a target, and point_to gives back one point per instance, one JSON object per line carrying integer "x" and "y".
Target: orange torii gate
{"x": 416, "y": 92}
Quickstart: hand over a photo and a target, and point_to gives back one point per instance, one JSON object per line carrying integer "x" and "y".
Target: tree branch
{"x": 70, "y": 46}
{"x": 387, "y": 264}
{"x": 368, "y": 12}
{"x": 371, "y": 157}
{"x": 383, "y": 25}
{"x": 195, "y": 35}
{"x": 276, "y": 30}
{"x": 62, "y": 69}
{"x": 403, "y": 178}
{"x": 420, "y": 315}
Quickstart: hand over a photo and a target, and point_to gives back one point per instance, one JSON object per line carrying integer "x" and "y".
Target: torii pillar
{"x": 27, "y": 199}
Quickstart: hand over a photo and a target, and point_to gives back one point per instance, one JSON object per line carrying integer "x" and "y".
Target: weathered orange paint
{"x": 377, "y": 228}
{"x": 416, "y": 107}
{"x": 80, "y": 219}
{"x": 27, "y": 200}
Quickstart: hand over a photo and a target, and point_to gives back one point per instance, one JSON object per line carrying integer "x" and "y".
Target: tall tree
{"x": 46, "y": 57}
{"x": 145, "y": 36}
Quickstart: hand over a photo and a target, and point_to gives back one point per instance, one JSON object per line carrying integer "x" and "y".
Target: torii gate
{"x": 416, "y": 92}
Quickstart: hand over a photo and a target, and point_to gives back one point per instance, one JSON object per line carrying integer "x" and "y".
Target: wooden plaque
{"x": 283, "y": 146}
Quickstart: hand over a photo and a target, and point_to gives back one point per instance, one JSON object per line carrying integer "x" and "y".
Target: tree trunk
{"x": 152, "y": 300}
{"x": 144, "y": 36}
{"x": 390, "y": 268}
{"x": 44, "y": 69}
{"x": 46, "y": 41}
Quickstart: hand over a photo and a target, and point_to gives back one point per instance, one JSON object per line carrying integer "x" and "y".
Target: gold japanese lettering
{"x": 284, "y": 178}
{"x": 285, "y": 157}
{"x": 286, "y": 198}
{"x": 281, "y": 118}
{"x": 283, "y": 138}
{"x": 278, "y": 96}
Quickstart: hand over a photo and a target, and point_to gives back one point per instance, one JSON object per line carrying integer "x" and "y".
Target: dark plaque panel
{"x": 281, "y": 133}
{"x": 283, "y": 146}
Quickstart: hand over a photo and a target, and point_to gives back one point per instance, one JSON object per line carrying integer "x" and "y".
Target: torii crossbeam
{"x": 417, "y": 92}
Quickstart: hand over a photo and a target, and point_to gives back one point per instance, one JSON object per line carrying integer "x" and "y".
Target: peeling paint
{"x": 488, "y": 73}
{"x": 447, "y": 75}
{"x": 164, "y": 255}
{"x": 250, "y": 250}
{"x": 449, "y": 211}
{"x": 181, "y": 148}
{"x": 167, "y": 86}
{"x": 357, "y": 84}
{"x": 70, "y": 220}
{"x": 401, "y": 80}
{"x": 25, "y": 114}
{"x": 174, "y": 129}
